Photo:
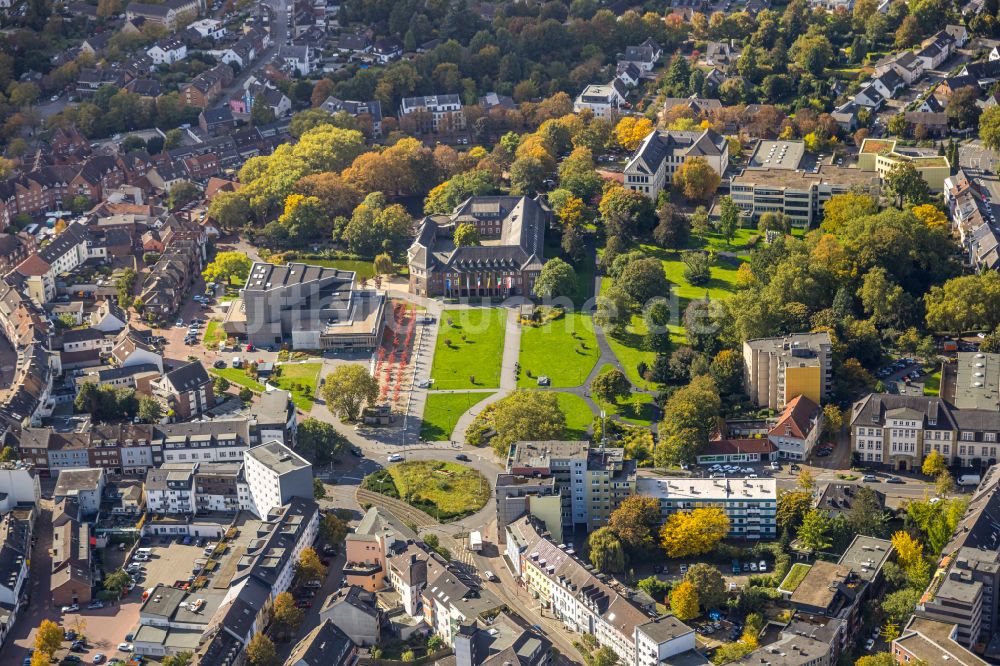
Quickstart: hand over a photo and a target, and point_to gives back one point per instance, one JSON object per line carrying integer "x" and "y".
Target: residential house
{"x": 205, "y": 88}
{"x": 354, "y": 611}
{"x": 15, "y": 551}
{"x": 72, "y": 572}
{"x": 889, "y": 84}
{"x": 186, "y": 391}
{"x": 387, "y": 49}
{"x": 906, "y": 64}
{"x": 85, "y": 486}
{"x": 365, "y": 112}
{"x": 936, "y": 49}
{"x": 216, "y": 121}
{"x": 167, "y": 51}
{"x": 699, "y": 106}
{"x": 870, "y": 98}
{"x": 603, "y": 100}
{"x": 433, "y": 113}
{"x": 930, "y": 642}
{"x": 645, "y": 56}
{"x": 274, "y": 475}
{"x": 326, "y": 645}
{"x": 925, "y": 124}
{"x": 797, "y": 429}
{"x": 749, "y": 503}
{"x": 629, "y": 74}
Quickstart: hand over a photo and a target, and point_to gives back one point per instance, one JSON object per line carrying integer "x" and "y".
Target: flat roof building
{"x": 750, "y": 504}
{"x": 777, "y": 370}
{"x": 313, "y": 307}
{"x": 978, "y": 383}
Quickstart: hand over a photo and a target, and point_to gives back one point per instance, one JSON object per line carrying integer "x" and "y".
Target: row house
{"x": 585, "y": 603}
{"x": 91, "y": 79}
{"x": 15, "y": 248}
{"x": 63, "y": 254}
{"x": 967, "y": 210}
{"x": 27, "y": 329}
{"x": 936, "y": 49}
{"x": 68, "y": 145}
{"x": 15, "y": 551}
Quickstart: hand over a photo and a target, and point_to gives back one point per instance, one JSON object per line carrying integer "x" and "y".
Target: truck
{"x": 968, "y": 480}
{"x": 475, "y": 541}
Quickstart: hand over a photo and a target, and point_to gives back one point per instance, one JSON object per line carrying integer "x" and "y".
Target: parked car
{"x": 314, "y": 584}
{"x": 124, "y": 647}
{"x": 894, "y": 479}
{"x": 72, "y": 608}
{"x": 395, "y": 457}
{"x": 762, "y": 565}
{"x": 98, "y": 658}
{"x": 219, "y": 364}
{"x": 303, "y": 603}
{"x": 869, "y": 478}
{"x": 869, "y": 644}
{"x": 95, "y": 604}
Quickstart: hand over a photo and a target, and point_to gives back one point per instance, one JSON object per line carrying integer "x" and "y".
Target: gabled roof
{"x": 798, "y": 418}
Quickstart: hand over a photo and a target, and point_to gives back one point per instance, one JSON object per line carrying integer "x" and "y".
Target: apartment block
{"x": 750, "y": 504}
{"x": 965, "y": 589}
{"x": 662, "y": 152}
{"x": 517, "y": 496}
{"x": 592, "y": 481}
{"x": 586, "y": 602}
{"x": 777, "y": 370}
{"x": 932, "y": 642}
{"x": 274, "y": 475}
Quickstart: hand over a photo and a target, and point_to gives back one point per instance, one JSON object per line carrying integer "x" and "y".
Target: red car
{"x": 304, "y": 603}
{"x": 249, "y": 348}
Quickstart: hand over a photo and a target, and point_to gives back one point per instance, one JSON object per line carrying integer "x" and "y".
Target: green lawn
{"x": 214, "y": 333}
{"x": 627, "y": 347}
{"x": 300, "y": 380}
{"x": 238, "y": 377}
{"x": 932, "y": 385}
{"x": 446, "y": 490}
{"x": 578, "y": 415}
{"x": 442, "y": 411}
{"x": 565, "y": 350}
{"x": 637, "y": 408}
{"x": 469, "y": 349}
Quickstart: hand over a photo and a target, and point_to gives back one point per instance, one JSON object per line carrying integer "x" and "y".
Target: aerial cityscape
{"x": 499, "y": 332}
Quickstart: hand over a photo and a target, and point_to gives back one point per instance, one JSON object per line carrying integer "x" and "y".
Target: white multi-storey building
{"x": 662, "y": 152}
{"x": 750, "y": 504}
{"x": 274, "y": 475}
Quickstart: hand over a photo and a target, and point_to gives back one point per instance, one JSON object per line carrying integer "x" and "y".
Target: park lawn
{"x": 300, "y": 380}
{"x": 238, "y": 377}
{"x": 472, "y": 362}
{"x": 579, "y": 417}
{"x": 932, "y": 385}
{"x": 637, "y": 409}
{"x": 628, "y": 348}
{"x": 442, "y": 411}
{"x": 446, "y": 490}
{"x": 565, "y": 350}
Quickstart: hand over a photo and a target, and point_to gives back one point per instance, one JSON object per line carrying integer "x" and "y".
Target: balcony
{"x": 362, "y": 568}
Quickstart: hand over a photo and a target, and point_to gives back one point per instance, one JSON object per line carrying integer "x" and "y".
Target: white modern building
{"x": 274, "y": 475}
{"x": 750, "y": 504}
{"x": 83, "y": 485}
{"x": 444, "y": 112}
{"x": 602, "y": 99}
{"x": 18, "y": 486}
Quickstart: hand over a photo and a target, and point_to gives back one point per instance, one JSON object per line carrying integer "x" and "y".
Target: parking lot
{"x": 168, "y": 563}
{"x": 905, "y": 376}
{"x": 103, "y": 629}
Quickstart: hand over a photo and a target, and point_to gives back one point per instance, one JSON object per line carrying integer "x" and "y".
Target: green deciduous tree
{"x": 556, "y": 279}
{"x": 523, "y": 415}
{"x": 605, "y": 551}
{"x": 610, "y": 386}
{"x": 228, "y": 266}
{"x": 710, "y": 584}
{"x": 466, "y": 234}
{"x": 816, "y": 530}
{"x": 347, "y": 388}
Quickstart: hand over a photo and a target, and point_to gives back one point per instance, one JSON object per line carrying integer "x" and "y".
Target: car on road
{"x": 684, "y": 569}
{"x": 869, "y": 478}
{"x": 219, "y": 364}
{"x": 98, "y": 658}
{"x": 72, "y": 608}
{"x": 395, "y": 457}
{"x": 490, "y": 576}
{"x": 124, "y": 647}
{"x": 869, "y": 644}
{"x": 179, "y": 323}
{"x": 314, "y": 584}
{"x": 463, "y": 457}
{"x": 894, "y": 479}
{"x": 249, "y": 348}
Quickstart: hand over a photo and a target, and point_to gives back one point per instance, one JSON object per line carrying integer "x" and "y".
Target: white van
{"x": 144, "y": 551}
{"x": 968, "y": 480}
{"x": 237, "y": 363}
